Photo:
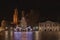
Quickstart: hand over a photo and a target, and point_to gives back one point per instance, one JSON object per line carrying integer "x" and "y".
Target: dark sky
{"x": 48, "y": 8}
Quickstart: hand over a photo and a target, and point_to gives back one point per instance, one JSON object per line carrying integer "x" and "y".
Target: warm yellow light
{"x": 15, "y": 16}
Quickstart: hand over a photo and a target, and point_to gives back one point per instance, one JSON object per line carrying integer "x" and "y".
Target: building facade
{"x": 49, "y": 26}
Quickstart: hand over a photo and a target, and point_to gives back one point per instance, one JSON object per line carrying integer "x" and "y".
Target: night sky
{"x": 49, "y": 9}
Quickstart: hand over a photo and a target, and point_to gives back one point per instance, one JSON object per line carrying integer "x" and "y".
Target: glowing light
{"x": 19, "y": 35}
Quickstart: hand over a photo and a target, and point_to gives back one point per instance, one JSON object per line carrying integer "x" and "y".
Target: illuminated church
{"x": 15, "y": 18}
{"x": 23, "y": 22}
{"x": 49, "y": 25}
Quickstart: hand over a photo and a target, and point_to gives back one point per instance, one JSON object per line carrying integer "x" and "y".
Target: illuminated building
{"x": 3, "y": 25}
{"x": 23, "y": 21}
{"x": 49, "y": 26}
{"x": 15, "y": 16}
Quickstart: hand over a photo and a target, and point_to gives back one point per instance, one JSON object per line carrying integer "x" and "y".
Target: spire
{"x": 15, "y": 16}
{"x": 15, "y": 11}
{"x": 23, "y": 13}
{"x": 23, "y": 21}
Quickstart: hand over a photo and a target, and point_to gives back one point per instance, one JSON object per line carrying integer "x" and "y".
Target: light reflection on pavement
{"x": 17, "y": 35}
{"x": 11, "y": 35}
{"x": 23, "y": 35}
{"x": 29, "y": 35}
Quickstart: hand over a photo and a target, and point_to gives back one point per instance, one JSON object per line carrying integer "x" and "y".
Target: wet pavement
{"x": 11, "y": 35}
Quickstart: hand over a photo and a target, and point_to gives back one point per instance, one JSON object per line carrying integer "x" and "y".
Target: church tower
{"x": 23, "y": 21}
{"x": 15, "y": 16}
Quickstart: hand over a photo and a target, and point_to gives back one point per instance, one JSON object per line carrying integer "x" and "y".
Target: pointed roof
{"x": 23, "y": 13}
{"x": 23, "y": 21}
{"x": 15, "y": 11}
{"x": 15, "y": 16}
